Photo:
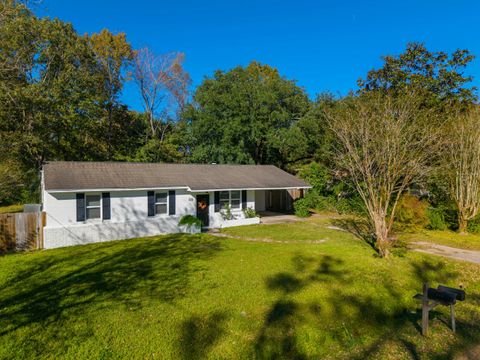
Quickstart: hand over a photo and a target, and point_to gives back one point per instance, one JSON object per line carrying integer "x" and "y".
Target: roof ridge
{"x": 147, "y": 163}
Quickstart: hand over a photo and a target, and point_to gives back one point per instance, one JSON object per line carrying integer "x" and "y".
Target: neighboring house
{"x": 89, "y": 202}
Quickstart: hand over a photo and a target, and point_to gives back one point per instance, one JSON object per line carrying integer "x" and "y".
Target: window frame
{"x": 239, "y": 200}
{"x": 99, "y": 206}
{"x": 220, "y": 200}
{"x": 166, "y": 203}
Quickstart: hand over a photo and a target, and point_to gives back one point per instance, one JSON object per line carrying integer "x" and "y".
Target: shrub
{"x": 190, "y": 221}
{"x": 302, "y": 208}
{"x": 474, "y": 225}
{"x": 227, "y": 213}
{"x": 411, "y": 212}
{"x": 436, "y": 219}
{"x": 249, "y": 213}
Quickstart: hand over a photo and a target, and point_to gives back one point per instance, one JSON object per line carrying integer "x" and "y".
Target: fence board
{"x": 21, "y": 231}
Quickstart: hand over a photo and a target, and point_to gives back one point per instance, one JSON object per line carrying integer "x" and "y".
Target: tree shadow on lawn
{"x": 347, "y": 315}
{"x": 358, "y": 227}
{"x": 57, "y": 290}
{"x": 200, "y": 334}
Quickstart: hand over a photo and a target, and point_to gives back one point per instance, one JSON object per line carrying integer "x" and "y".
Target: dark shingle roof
{"x": 63, "y": 175}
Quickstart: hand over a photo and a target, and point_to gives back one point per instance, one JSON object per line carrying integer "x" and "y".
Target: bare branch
{"x": 385, "y": 144}
{"x": 162, "y": 80}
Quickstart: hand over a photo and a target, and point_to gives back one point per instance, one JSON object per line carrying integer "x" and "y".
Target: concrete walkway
{"x": 472, "y": 256}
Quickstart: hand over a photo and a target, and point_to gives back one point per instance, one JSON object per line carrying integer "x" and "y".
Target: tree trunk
{"x": 381, "y": 236}
{"x": 462, "y": 223}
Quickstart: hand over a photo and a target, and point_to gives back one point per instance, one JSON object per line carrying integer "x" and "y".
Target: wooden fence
{"x": 21, "y": 231}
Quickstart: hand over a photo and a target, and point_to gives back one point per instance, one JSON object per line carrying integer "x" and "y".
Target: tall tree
{"x": 241, "y": 116}
{"x": 163, "y": 84}
{"x": 462, "y": 164}
{"x": 55, "y": 87}
{"x": 384, "y": 144}
{"x": 114, "y": 55}
{"x": 439, "y": 76}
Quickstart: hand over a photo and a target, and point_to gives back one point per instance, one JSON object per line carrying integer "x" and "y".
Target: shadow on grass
{"x": 200, "y": 334}
{"x": 360, "y": 228}
{"x": 55, "y": 291}
{"x": 347, "y": 314}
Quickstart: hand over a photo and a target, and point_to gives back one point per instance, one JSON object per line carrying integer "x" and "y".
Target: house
{"x": 89, "y": 202}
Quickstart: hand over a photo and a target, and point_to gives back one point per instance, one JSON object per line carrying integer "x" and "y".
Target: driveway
{"x": 268, "y": 217}
{"x": 472, "y": 256}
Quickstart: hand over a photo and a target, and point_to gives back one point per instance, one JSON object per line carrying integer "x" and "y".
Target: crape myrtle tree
{"x": 441, "y": 83}
{"x": 384, "y": 143}
{"x": 462, "y": 164}
{"x": 244, "y": 116}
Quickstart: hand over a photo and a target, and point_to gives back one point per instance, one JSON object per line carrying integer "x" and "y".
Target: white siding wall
{"x": 216, "y": 219}
{"x": 128, "y": 217}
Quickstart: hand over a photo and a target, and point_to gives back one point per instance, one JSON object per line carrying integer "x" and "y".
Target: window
{"x": 92, "y": 207}
{"x": 161, "y": 203}
{"x": 224, "y": 199}
{"x": 232, "y": 198}
{"x": 235, "y": 199}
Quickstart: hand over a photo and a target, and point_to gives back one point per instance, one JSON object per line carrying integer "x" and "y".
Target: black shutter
{"x": 106, "y": 206}
{"x": 151, "y": 203}
{"x": 244, "y": 199}
{"x": 80, "y": 207}
{"x": 217, "y": 201}
{"x": 171, "y": 202}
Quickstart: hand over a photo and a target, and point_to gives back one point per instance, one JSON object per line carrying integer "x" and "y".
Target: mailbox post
{"x": 442, "y": 295}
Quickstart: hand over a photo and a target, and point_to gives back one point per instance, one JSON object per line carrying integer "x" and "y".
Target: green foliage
{"x": 59, "y": 95}
{"x": 302, "y": 207}
{"x": 249, "y": 213}
{"x": 474, "y": 225}
{"x": 436, "y": 219}
{"x": 241, "y": 116}
{"x": 12, "y": 182}
{"x": 329, "y": 193}
{"x": 227, "y": 212}
{"x": 190, "y": 221}
{"x": 437, "y": 75}
{"x": 411, "y": 212}
{"x": 319, "y": 176}
{"x": 11, "y": 209}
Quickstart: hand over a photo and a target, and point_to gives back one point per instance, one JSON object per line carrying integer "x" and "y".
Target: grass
{"x": 448, "y": 238}
{"x": 11, "y": 209}
{"x": 200, "y": 296}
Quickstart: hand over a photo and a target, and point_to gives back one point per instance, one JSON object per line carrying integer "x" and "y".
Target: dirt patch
{"x": 266, "y": 240}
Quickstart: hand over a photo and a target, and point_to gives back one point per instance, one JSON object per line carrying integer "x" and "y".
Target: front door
{"x": 202, "y": 208}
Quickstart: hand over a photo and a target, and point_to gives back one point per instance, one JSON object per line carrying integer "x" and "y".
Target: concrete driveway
{"x": 472, "y": 256}
{"x": 268, "y": 217}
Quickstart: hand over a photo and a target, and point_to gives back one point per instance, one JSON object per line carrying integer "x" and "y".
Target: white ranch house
{"x": 88, "y": 202}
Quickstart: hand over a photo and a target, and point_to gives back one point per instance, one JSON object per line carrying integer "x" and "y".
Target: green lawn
{"x": 200, "y": 296}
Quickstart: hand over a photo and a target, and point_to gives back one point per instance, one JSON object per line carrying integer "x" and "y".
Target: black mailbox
{"x": 460, "y": 293}
{"x": 443, "y": 297}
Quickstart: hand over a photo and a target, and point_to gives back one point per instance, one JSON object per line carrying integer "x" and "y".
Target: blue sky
{"x": 324, "y": 45}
